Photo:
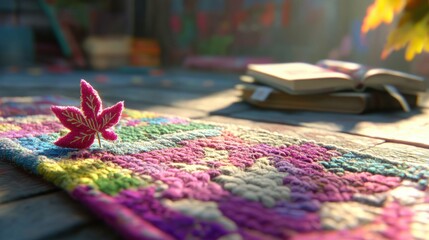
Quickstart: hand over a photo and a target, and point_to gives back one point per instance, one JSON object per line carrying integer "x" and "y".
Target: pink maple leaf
{"x": 88, "y": 123}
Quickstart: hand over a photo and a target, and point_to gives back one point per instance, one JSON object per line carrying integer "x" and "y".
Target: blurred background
{"x": 221, "y": 35}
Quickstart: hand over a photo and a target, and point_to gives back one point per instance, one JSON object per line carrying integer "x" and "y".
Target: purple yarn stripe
{"x": 116, "y": 215}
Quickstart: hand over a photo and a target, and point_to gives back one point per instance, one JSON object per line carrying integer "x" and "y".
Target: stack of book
{"x": 330, "y": 85}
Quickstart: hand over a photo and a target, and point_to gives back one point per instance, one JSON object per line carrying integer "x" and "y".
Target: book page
{"x": 297, "y": 71}
{"x": 403, "y": 81}
{"x": 365, "y": 76}
{"x": 354, "y": 70}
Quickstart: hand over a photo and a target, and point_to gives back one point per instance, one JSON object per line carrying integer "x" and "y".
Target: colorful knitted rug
{"x": 174, "y": 178}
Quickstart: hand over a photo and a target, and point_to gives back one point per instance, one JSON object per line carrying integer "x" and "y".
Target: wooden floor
{"x": 33, "y": 209}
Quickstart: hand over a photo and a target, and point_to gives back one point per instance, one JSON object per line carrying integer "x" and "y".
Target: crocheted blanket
{"x": 173, "y": 178}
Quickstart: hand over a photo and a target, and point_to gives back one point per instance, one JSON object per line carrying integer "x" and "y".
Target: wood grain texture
{"x": 92, "y": 231}
{"x": 16, "y": 184}
{"x": 174, "y": 78}
{"x": 41, "y": 216}
{"x": 28, "y": 205}
{"x": 186, "y": 100}
{"x": 343, "y": 140}
{"x": 401, "y": 152}
{"x": 162, "y": 109}
{"x": 410, "y": 128}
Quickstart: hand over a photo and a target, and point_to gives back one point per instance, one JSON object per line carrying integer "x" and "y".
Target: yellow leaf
{"x": 426, "y": 45}
{"x": 412, "y": 35}
{"x": 381, "y": 11}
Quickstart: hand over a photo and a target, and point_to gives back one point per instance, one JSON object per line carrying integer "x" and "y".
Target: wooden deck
{"x": 31, "y": 208}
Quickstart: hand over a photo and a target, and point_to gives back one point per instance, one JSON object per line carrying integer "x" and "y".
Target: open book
{"x": 330, "y": 76}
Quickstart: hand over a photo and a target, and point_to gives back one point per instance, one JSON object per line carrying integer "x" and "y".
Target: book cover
{"x": 342, "y": 102}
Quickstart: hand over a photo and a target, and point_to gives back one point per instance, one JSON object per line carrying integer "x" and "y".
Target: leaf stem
{"x": 98, "y": 138}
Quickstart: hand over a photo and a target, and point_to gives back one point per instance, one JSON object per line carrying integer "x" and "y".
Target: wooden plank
{"x": 401, "y": 152}
{"x": 162, "y": 109}
{"x": 22, "y": 92}
{"x": 41, "y": 216}
{"x": 184, "y": 82}
{"x": 87, "y": 232}
{"x": 189, "y": 113}
{"x": 410, "y": 128}
{"x": 155, "y": 96}
{"x": 411, "y": 131}
{"x": 231, "y": 109}
{"x": 224, "y": 103}
{"x": 176, "y": 79}
{"x": 17, "y": 184}
{"x": 196, "y": 101}
{"x": 343, "y": 140}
